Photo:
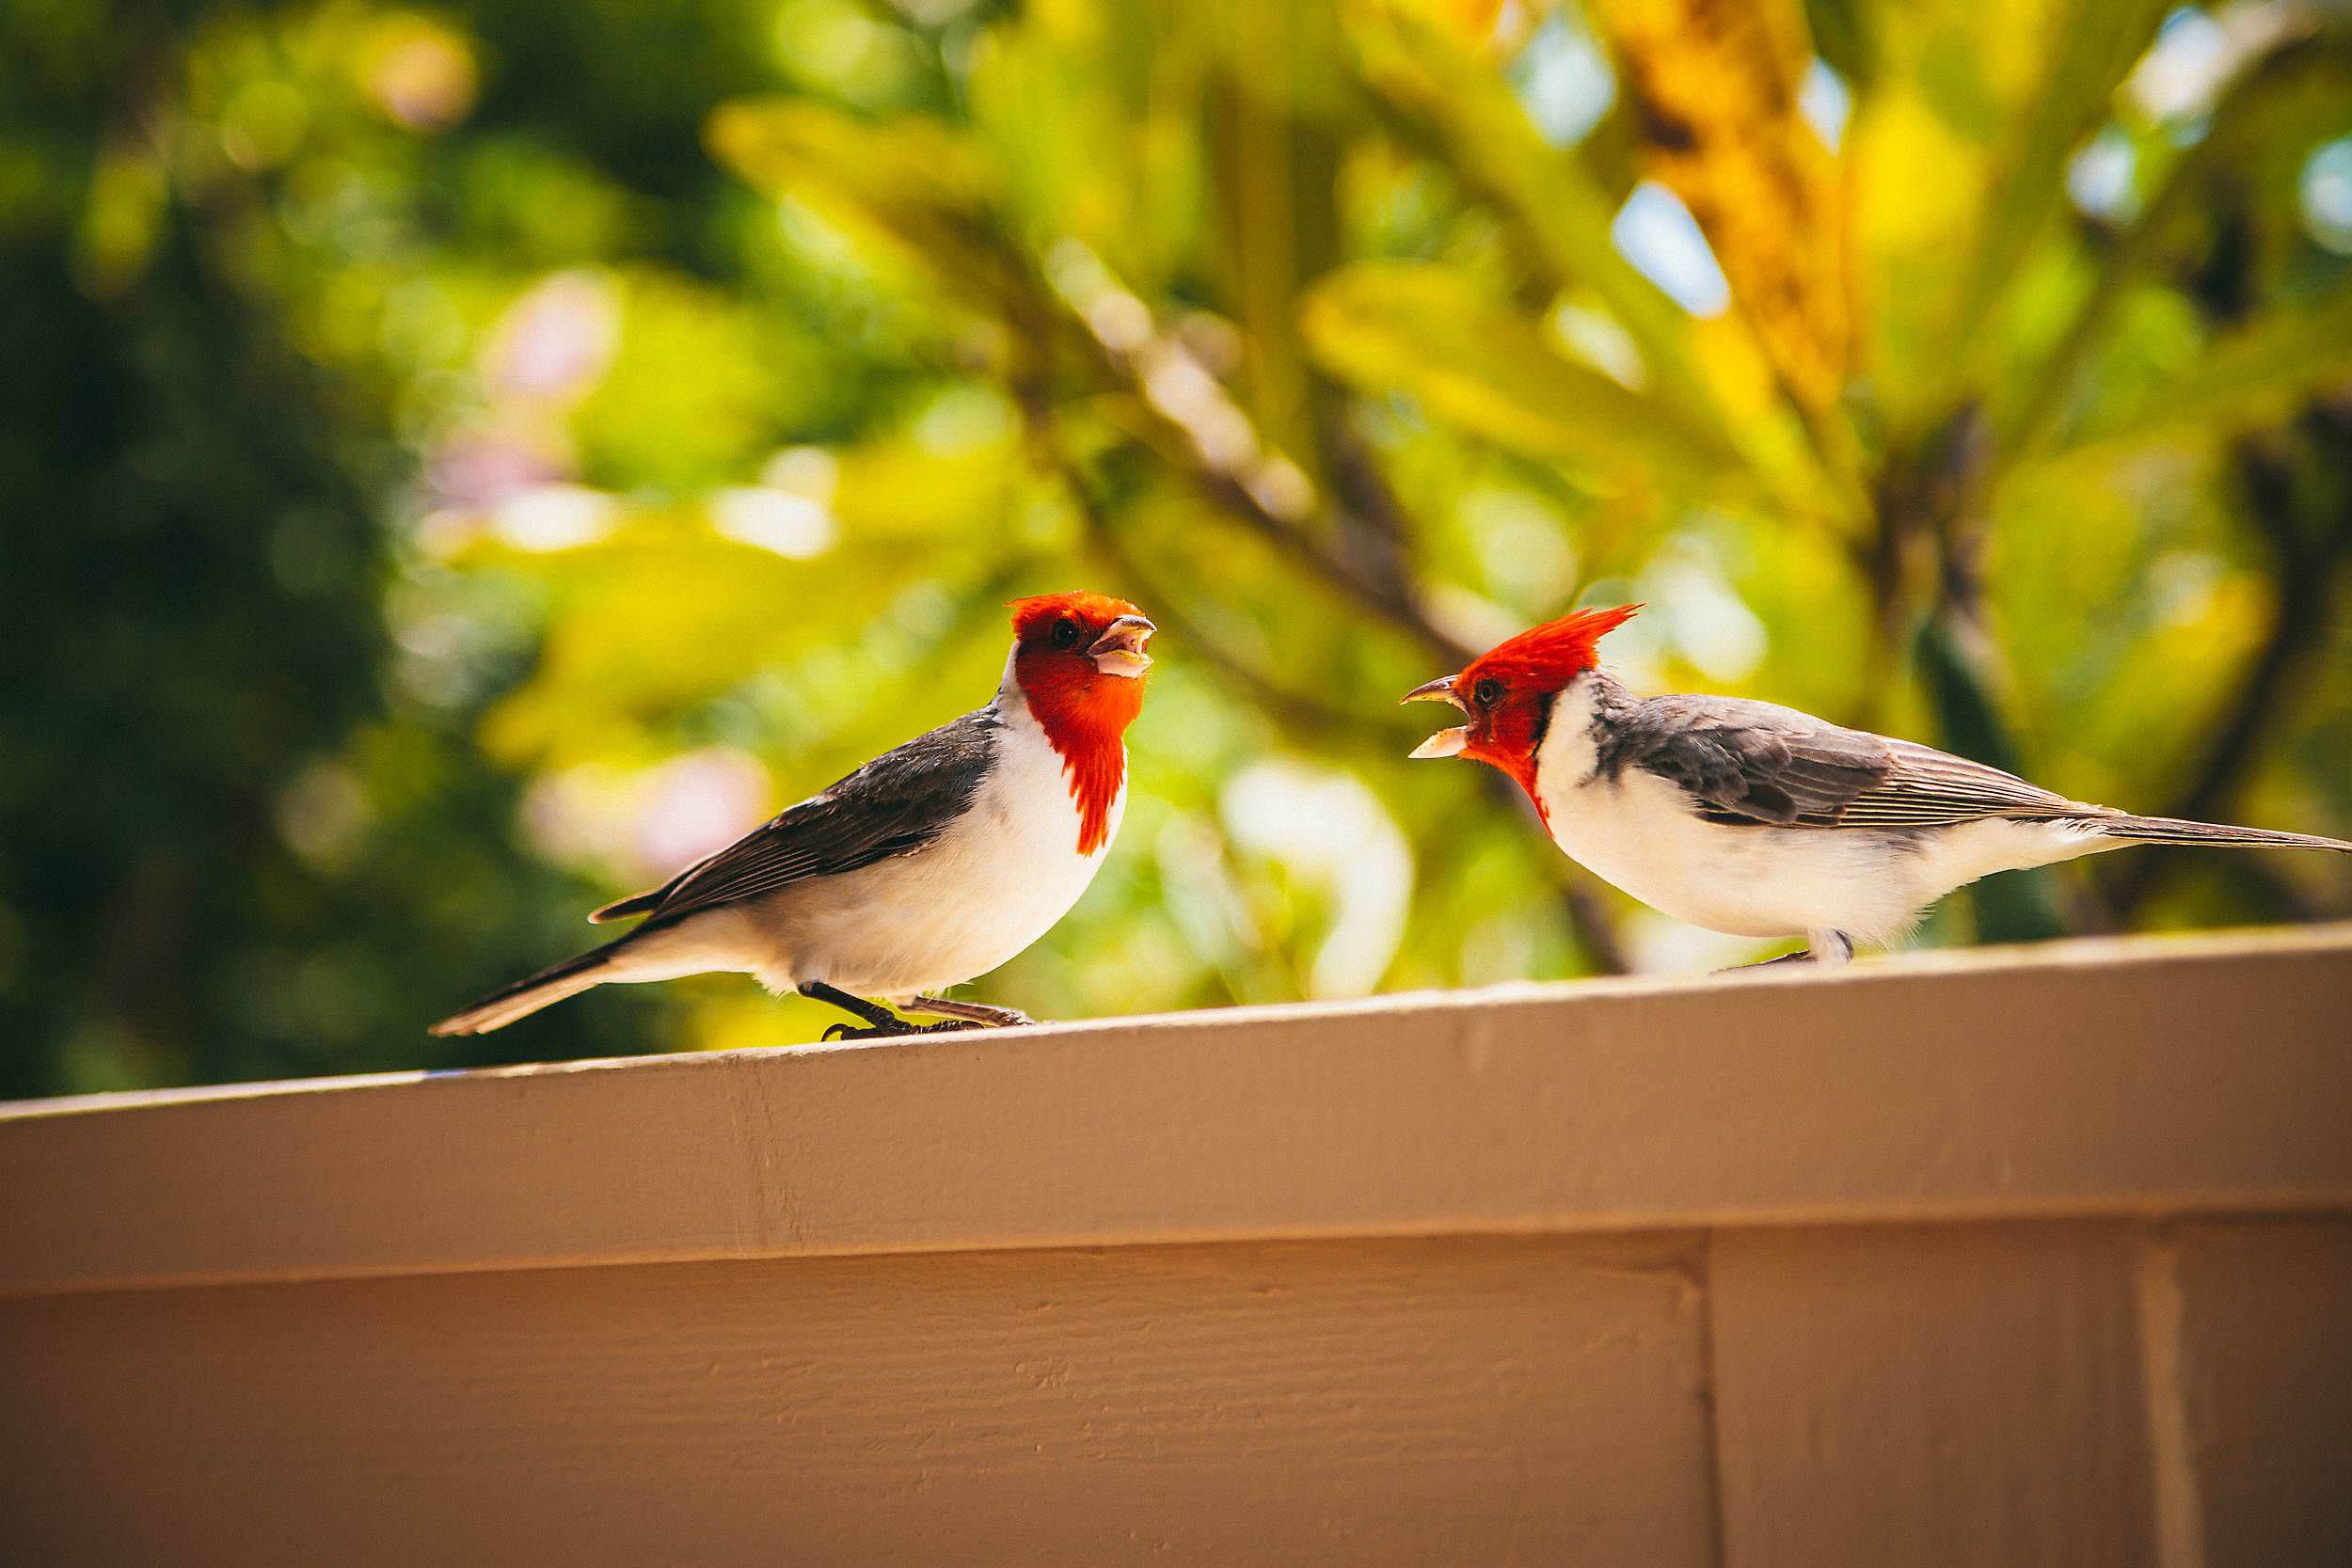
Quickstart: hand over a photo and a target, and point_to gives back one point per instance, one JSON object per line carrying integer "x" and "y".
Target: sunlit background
{"x": 457, "y": 465}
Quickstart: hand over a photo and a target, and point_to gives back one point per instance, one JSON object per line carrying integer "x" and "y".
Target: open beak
{"x": 1120, "y": 650}
{"x": 1445, "y": 743}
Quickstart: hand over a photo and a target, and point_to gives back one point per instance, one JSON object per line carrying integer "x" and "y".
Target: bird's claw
{"x": 870, "y": 1032}
{"x": 892, "y": 1030}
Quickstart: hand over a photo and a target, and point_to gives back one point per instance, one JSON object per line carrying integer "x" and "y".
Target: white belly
{"x": 1761, "y": 882}
{"x": 1640, "y": 833}
{"x": 957, "y": 908}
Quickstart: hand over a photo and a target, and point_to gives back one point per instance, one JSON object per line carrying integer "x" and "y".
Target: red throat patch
{"x": 1507, "y": 741}
{"x": 1084, "y": 712}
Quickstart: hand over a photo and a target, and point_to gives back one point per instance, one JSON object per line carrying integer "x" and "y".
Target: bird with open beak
{"x": 1757, "y": 821}
{"x": 930, "y": 864}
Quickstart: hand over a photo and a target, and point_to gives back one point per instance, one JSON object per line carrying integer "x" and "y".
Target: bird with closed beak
{"x": 1757, "y": 821}
{"x": 931, "y": 864}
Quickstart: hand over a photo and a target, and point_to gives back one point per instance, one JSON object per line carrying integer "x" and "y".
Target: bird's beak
{"x": 1445, "y": 743}
{"x": 1120, "y": 650}
{"x": 1439, "y": 691}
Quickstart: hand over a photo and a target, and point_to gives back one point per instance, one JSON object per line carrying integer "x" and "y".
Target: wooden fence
{"x": 2023, "y": 1258}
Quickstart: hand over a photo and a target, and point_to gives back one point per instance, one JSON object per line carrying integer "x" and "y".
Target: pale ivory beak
{"x": 1120, "y": 650}
{"x": 1445, "y": 743}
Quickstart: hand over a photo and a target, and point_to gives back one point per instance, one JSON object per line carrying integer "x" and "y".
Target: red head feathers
{"x": 1039, "y": 613}
{"x": 1545, "y": 658}
{"x": 1079, "y": 661}
{"x": 1507, "y": 689}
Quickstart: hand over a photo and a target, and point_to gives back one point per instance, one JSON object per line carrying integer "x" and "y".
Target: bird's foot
{"x": 1767, "y": 963}
{"x": 894, "y": 1029}
{"x": 971, "y": 1012}
{"x": 1828, "y": 948}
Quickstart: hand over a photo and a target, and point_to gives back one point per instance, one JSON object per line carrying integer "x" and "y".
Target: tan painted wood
{"x": 2142, "y": 1077}
{"x": 2017, "y": 1258}
{"x": 1488, "y": 1400}
{"x": 1958, "y": 1395}
{"x": 2264, "y": 1325}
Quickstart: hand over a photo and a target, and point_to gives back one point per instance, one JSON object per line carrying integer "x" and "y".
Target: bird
{"x": 930, "y": 864}
{"x": 1757, "y": 821}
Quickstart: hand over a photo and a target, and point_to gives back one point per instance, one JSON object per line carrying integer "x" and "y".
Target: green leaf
{"x": 1087, "y": 116}
{"x": 1563, "y": 211}
{"x": 911, "y": 187}
{"x": 1845, "y": 33}
{"x": 2248, "y": 377}
{"x": 2295, "y": 96}
{"x": 2098, "y": 45}
{"x": 1431, "y": 333}
{"x": 1272, "y": 138}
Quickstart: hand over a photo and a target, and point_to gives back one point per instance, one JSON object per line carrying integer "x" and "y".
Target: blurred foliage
{"x": 461, "y": 463}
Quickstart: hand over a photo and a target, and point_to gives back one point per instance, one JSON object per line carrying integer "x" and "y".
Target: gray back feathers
{"x": 895, "y": 803}
{"x": 1747, "y": 762}
{"x": 1762, "y": 765}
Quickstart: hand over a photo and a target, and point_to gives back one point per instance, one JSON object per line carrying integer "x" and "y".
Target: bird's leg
{"x": 974, "y": 1012}
{"x": 874, "y": 1013}
{"x": 881, "y": 1022}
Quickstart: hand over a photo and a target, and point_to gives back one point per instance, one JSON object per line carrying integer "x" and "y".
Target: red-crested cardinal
{"x": 930, "y": 864}
{"x": 1757, "y": 821}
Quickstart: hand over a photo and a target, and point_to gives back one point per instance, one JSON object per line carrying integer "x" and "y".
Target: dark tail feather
{"x": 2167, "y": 830}
{"x": 508, "y": 1003}
{"x": 621, "y": 908}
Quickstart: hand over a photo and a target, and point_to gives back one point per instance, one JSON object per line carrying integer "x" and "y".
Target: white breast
{"x": 1638, "y": 832}
{"x": 988, "y": 887}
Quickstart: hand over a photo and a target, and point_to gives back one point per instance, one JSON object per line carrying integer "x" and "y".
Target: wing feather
{"x": 895, "y": 803}
{"x": 1757, "y": 763}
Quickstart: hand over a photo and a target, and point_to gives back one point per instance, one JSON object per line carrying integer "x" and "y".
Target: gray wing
{"x": 1757, "y": 763}
{"x": 900, "y": 801}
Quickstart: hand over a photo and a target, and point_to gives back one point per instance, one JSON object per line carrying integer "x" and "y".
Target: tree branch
{"x": 1222, "y": 453}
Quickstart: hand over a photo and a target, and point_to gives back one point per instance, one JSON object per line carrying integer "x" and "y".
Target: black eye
{"x": 1066, "y": 634}
{"x": 1487, "y": 692}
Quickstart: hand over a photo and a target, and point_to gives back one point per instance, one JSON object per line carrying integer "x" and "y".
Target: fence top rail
{"x": 2134, "y": 1076}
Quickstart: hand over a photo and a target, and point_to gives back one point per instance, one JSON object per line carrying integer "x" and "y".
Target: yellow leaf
{"x": 1471, "y": 24}
{"x": 1715, "y": 83}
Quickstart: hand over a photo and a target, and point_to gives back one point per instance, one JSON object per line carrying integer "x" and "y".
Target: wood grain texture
{"x": 1501, "y": 1400}
{"x": 2266, "y": 1367}
{"x": 1951, "y": 1395}
{"x": 2080, "y": 1078}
